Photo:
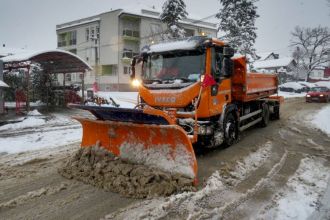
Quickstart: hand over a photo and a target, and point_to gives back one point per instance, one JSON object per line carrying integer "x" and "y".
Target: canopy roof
{"x": 52, "y": 61}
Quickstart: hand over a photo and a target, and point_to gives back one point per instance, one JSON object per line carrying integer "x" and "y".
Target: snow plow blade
{"x": 166, "y": 147}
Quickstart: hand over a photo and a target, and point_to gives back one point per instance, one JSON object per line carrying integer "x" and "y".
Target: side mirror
{"x": 133, "y": 68}
{"x": 228, "y": 52}
{"x": 227, "y": 67}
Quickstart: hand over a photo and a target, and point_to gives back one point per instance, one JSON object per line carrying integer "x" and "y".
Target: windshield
{"x": 184, "y": 65}
{"x": 318, "y": 89}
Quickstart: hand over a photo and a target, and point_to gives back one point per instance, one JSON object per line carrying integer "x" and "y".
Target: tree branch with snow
{"x": 237, "y": 25}
{"x": 173, "y": 12}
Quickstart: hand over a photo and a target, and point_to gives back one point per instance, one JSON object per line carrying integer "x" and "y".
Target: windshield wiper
{"x": 184, "y": 79}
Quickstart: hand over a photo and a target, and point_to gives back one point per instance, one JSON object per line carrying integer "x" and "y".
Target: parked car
{"x": 318, "y": 94}
{"x": 292, "y": 87}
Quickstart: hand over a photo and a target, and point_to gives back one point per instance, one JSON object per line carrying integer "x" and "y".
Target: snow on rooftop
{"x": 264, "y": 55}
{"x": 6, "y": 51}
{"x": 77, "y": 22}
{"x": 273, "y": 63}
{"x": 26, "y": 55}
{"x": 150, "y": 13}
{"x": 3, "y": 84}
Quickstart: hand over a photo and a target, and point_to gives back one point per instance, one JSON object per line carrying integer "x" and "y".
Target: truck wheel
{"x": 265, "y": 115}
{"x": 276, "y": 114}
{"x": 230, "y": 130}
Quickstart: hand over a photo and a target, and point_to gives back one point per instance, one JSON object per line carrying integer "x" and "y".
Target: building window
{"x": 87, "y": 34}
{"x": 68, "y": 77}
{"x": 61, "y": 42}
{"x": 97, "y": 32}
{"x": 127, "y": 70}
{"x": 92, "y": 33}
{"x": 128, "y": 53}
{"x": 109, "y": 70}
{"x": 189, "y": 32}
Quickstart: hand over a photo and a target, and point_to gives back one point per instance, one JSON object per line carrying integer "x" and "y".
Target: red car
{"x": 318, "y": 94}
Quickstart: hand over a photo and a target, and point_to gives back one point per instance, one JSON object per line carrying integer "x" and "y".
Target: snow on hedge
{"x": 321, "y": 120}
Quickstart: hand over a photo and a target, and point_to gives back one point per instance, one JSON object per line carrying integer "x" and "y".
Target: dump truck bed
{"x": 251, "y": 86}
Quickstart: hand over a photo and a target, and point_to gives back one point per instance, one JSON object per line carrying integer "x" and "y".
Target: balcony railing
{"x": 129, "y": 54}
{"x": 61, "y": 44}
{"x": 131, "y": 35}
{"x": 73, "y": 42}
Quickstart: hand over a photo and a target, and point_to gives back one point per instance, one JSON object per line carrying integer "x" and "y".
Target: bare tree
{"x": 314, "y": 46}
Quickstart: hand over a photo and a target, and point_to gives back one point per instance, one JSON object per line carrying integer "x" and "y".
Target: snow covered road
{"x": 278, "y": 172}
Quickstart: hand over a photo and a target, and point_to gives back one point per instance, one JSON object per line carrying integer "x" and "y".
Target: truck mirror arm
{"x": 132, "y": 75}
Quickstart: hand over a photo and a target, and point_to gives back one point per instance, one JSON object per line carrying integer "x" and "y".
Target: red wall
{"x": 327, "y": 72}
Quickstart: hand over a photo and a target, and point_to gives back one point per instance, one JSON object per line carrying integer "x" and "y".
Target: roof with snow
{"x": 3, "y": 84}
{"x": 6, "y": 51}
{"x": 276, "y": 63}
{"x": 138, "y": 12}
{"x": 53, "y": 61}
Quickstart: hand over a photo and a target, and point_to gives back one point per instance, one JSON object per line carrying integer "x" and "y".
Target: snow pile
{"x": 184, "y": 204}
{"x": 321, "y": 120}
{"x": 35, "y": 112}
{"x": 211, "y": 200}
{"x": 160, "y": 156}
{"x": 124, "y": 99}
{"x": 300, "y": 198}
{"x": 29, "y": 122}
{"x": 98, "y": 167}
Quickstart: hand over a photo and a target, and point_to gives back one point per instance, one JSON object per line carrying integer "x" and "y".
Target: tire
{"x": 230, "y": 130}
{"x": 276, "y": 114}
{"x": 265, "y": 115}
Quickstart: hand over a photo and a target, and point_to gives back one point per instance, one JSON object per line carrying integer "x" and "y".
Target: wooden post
{"x": 27, "y": 102}
{"x": 83, "y": 87}
{"x": 63, "y": 89}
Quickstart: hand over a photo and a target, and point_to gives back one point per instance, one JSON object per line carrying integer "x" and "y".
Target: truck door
{"x": 221, "y": 92}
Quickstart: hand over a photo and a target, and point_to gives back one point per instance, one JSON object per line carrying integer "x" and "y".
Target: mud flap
{"x": 166, "y": 147}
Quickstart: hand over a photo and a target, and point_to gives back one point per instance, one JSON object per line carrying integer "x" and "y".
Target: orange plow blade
{"x": 166, "y": 147}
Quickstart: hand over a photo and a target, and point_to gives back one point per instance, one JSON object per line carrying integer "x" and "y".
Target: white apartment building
{"x": 109, "y": 40}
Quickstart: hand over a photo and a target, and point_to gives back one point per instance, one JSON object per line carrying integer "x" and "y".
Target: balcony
{"x": 131, "y": 35}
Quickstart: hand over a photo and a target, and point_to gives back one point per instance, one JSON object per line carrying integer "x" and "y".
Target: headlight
{"x": 308, "y": 96}
{"x": 136, "y": 83}
{"x": 321, "y": 95}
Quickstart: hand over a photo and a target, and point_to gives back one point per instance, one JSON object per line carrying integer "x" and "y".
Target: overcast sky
{"x": 31, "y": 23}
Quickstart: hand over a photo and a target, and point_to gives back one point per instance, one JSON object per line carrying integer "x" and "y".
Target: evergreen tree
{"x": 237, "y": 24}
{"x": 173, "y": 12}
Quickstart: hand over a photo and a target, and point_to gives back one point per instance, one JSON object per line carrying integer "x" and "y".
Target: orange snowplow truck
{"x": 192, "y": 92}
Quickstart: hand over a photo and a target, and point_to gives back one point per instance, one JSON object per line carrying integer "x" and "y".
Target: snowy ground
{"x": 36, "y": 131}
{"x": 227, "y": 190}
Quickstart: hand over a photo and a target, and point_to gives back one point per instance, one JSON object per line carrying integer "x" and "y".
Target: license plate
{"x": 315, "y": 99}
